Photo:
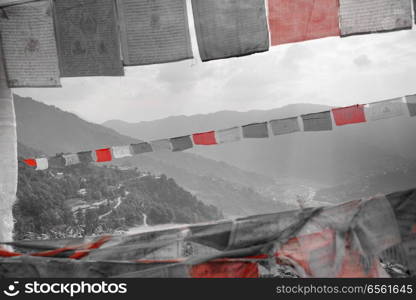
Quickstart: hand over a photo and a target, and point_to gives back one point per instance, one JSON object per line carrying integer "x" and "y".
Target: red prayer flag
{"x": 30, "y": 162}
{"x": 349, "y": 115}
{"x": 103, "y": 155}
{"x": 300, "y": 20}
{"x": 225, "y": 270}
{"x": 205, "y": 138}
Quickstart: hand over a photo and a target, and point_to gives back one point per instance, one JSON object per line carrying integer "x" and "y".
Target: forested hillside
{"x": 87, "y": 199}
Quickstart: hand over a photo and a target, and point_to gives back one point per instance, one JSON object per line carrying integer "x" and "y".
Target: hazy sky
{"x": 333, "y": 71}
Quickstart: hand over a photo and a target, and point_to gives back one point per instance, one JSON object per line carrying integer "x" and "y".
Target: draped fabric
{"x": 385, "y": 109}
{"x": 349, "y": 115}
{"x": 87, "y": 37}
{"x": 411, "y": 105}
{"x": 29, "y": 46}
{"x": 284, "y": 126}
{"x": 256, "y": 130}
{"x": 8, "y": 161}
{"x": 228, "y": 135}
{"x": 300, "y": 20}
{"x": 317, "y": 121}
{"x": 341, "y": 240}
{"x": 367, "y": 16}
{"x": 205, "y": 138}
{"x": 154, "y": 31}
{"x": 230, "y": 28}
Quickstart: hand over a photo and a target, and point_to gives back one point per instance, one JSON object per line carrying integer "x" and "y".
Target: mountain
{"x": 237, "y": 192}
{"x": 51, "y": 130}
{"x": 324, "y": 158}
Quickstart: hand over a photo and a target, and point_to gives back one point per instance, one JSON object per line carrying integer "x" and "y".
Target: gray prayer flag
{"x": 230, "y": 28}
{"x": 154, "y": 31}
{"x": 411, "y": 105}
{"x": 141, "y": 148}
{"x": 385, "y": 109}
{"x": 87, "y": 37}
{"x": 85, "y": 157}
{"x": 161, "y": 145}
{"x": 181, "y": 143}
{"x": 285, "y": 126}
{"x": 317, "y": 122}
{"x": 366, "y": 16}
{"x": 256, "y": 130}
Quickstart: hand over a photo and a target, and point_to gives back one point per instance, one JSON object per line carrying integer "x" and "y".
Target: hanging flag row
{"x": 45, "y": 40}
{"x": 321, "y": 121}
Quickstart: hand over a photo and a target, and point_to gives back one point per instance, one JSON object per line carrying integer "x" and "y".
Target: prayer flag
{"x": 285, "y": 126}
{"x": 225, "y": 269}
{"x": 103, "y": 155}
{"x": 42, "y": 163}
{"x": 230, "y": 28}
{"x": 256, "y": 130}
{"x": 87, "y": 37}
{"x": 300, "y": 20}
{"x": 205, "y": 138}
{"x": 154, "y": 31}
{"x": 385, "y": 109}
{"x": 29, "y": 46}
{"x": 56, "y": 162}
{"x": 228, "y": 135}
{"x": 30, "y": 162}
{"x": 141, "y": 148}
{"x": 161, "y": 145}
{"x": 317, "y": 121}
{"x": 181, "y": 143}
{"x": 411, "y": 105}
{"x": 85, "y": 157}
{"x": 71, "y": 159}
{"x": 121, "y": 151}
{"x": 367, "y": 16}
{"x": 349, "y": 115}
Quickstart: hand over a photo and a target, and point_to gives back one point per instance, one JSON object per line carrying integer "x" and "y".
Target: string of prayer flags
{"x": 368, "y": 16}
{"x": 349, "y": 115}
{"x": 85, "y": 157}
{"x": 87, "y": 38}
{"x": 411, "y": 105}
{"x": 204, "y": 138}
{"x": 385, "y": 109}
{"x": 154, "y": 31}
{"x": 230, "y": 28}
{"x": 71, "y": 159}
{"x": 121, "y": 151}
{"x": 181, "y": 143}
{"x": 29, "y": 45}
{"x": 103, "y": 155}
{"x": 256, "y": 130}
{"x": 161, "y": 145}
{"x": 229, "y": 135}
{"x": 300, "y": 20}
{"x": 284, "y": 126}
{"x": 317, "y": 121}
{"x": 141, "y": 148}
